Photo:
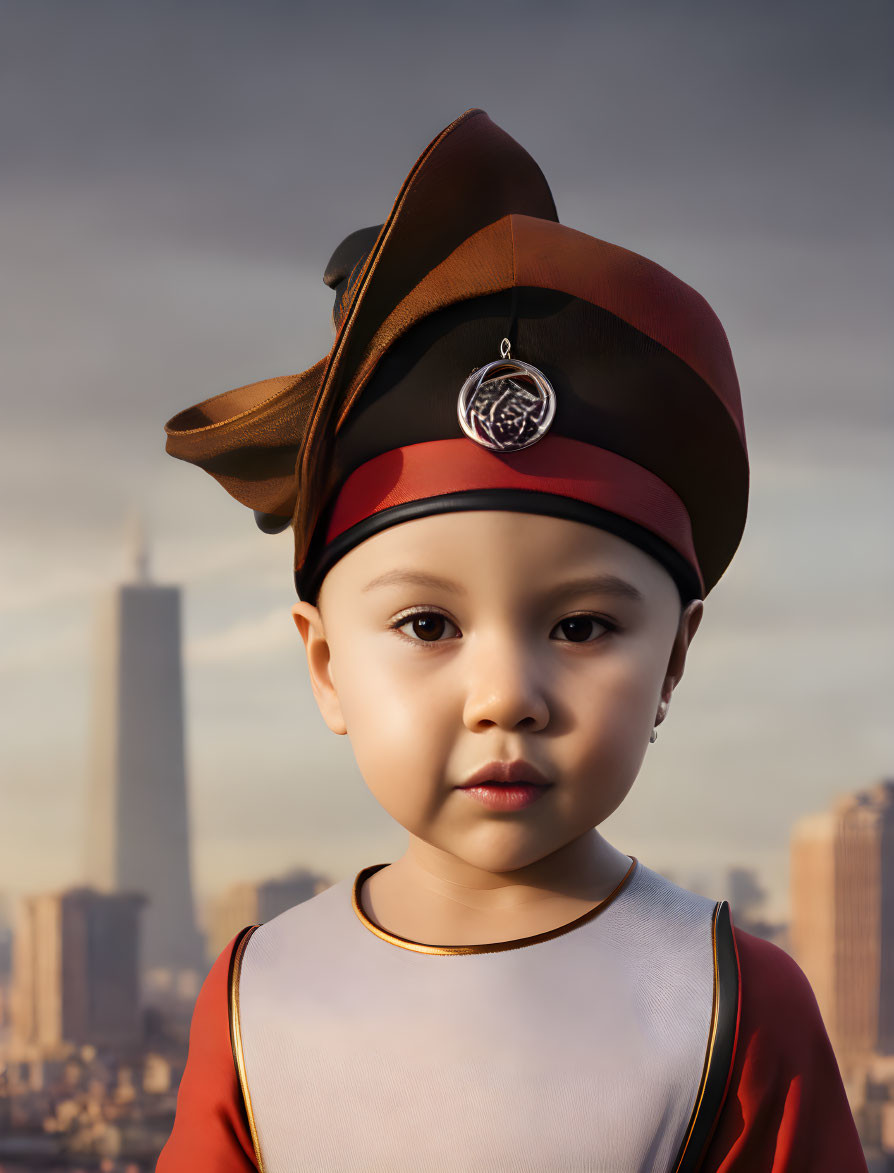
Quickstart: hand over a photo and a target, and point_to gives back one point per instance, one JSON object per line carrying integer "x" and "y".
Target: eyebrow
{"x": 600, "y": 584}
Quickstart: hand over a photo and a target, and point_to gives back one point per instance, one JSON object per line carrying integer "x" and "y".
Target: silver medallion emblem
{"x": 507, "y": 404}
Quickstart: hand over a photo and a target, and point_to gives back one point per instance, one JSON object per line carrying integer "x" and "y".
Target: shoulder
{"x": 773, "y": 976}
{"x": 785, "y": 1108}
{"x": 780, "y": 1019}
{"x": 781, "y": 1032}
{"x": 210, "y": 1037}
{"x": 212, "y": 1004}
{"x": 211, "y": 1124}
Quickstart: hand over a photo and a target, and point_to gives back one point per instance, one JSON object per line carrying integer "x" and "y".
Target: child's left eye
{"x": 578, "y": 629}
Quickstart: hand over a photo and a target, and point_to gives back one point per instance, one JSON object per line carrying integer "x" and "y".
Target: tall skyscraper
{"x": 75, "y": 971}
{"x": 138, "y": 821}
{"x": 842, "y": 927}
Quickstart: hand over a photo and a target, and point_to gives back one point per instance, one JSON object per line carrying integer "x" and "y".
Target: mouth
{"x": 509, "y": 774}
{"x": 506, "y": 786}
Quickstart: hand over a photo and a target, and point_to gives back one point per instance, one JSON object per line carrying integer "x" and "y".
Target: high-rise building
{"x": 138, "y": 820}
{"x": 842, "y": 926}
{"x": 254, "y": 903}
{"x": 76, "y": 970}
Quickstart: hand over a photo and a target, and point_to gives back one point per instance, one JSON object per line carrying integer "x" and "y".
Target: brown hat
{"x": 487, "y": 356}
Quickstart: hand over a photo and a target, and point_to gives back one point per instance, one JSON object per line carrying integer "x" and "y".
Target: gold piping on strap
{"x": 712, "y": 1038}
{"x": 236, "y": 1038}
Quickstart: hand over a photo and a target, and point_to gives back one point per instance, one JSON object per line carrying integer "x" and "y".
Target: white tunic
{"x": 578, "y": 1049}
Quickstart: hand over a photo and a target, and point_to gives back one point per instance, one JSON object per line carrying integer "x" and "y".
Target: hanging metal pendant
{"x": 507, "y": 404}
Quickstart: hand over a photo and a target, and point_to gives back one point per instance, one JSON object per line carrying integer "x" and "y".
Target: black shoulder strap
{"x": 720, "y": 1051}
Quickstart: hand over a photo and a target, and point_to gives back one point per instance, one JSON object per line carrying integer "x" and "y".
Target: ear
{"x": 686, "y": 629}
{"x": 310, "y": 625}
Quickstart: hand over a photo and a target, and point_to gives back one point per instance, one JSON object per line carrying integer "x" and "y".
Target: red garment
{"x": 211, "y": 1133}
{"x": 785, "y": 1110}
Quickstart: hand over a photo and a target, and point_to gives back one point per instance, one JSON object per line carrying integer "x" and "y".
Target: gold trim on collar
{"x": 493, "y": 947}
{"x": 237, "y": 1039}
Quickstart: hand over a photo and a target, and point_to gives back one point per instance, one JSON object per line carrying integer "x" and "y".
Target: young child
{"x": 512, "y": 483}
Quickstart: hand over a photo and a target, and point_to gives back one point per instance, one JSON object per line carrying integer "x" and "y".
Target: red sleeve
{"x": 210, "y": 1133}
{"x": 786, "y": 1110}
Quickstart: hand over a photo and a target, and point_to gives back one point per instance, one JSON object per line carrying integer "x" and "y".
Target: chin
{"x": 493, "y": 854}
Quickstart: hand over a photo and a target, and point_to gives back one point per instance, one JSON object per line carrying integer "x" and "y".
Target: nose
{"x": 504, "y": 689}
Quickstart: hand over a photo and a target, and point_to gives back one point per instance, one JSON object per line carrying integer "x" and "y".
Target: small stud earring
{"x": 654, "y": 735}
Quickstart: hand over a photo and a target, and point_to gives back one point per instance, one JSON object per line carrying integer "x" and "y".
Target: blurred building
{"x": 76, "y": 971}
{"x": 747, "y": 898}
{"x": 254, "y": 903}
{"x": 842, "y": 927}
{"x": 5, "y": 970}
{"x": 138, "y": 820}
{"x": 746, "y": 893}
{"x": 871, "y": 1092}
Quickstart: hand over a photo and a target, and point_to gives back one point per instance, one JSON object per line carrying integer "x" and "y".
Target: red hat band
{"x": 556, "y": 466}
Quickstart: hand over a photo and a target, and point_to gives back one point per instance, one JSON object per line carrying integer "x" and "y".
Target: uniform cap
{"x": 628, "y": 417}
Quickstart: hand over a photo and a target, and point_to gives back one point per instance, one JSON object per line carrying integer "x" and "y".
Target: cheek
{"x": 613, "y": 710}
{"x": 381, "y": 691}
{"x": 620, "y": 689}
{"x": 380, "y": 682}
{"x": 398, "y": 722}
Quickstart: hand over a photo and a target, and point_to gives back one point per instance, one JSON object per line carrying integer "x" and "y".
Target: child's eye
{"x": 425, "y": 626}
{"x": 580, "y": 629}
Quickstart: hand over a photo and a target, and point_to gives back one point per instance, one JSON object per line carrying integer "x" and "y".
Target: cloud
{"x": 46, "y": 652}
{"x": 270, "y": 636}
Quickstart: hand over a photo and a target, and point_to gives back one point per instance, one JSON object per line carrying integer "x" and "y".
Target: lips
{"x": 518, "y": 773}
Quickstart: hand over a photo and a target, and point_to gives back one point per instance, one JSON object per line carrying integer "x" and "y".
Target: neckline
{"x": 490, "y": 947}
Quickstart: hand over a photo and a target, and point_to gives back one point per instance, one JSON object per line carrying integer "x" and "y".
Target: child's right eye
{"x": 426, "y": 626}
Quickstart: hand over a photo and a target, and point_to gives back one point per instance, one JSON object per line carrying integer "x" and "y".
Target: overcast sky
{"x": 175, "y": 176}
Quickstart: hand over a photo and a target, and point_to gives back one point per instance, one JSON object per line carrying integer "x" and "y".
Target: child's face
{"x": 449, "y": 642}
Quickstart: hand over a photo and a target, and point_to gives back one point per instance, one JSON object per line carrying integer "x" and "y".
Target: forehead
{"x": 483, "y": 550}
